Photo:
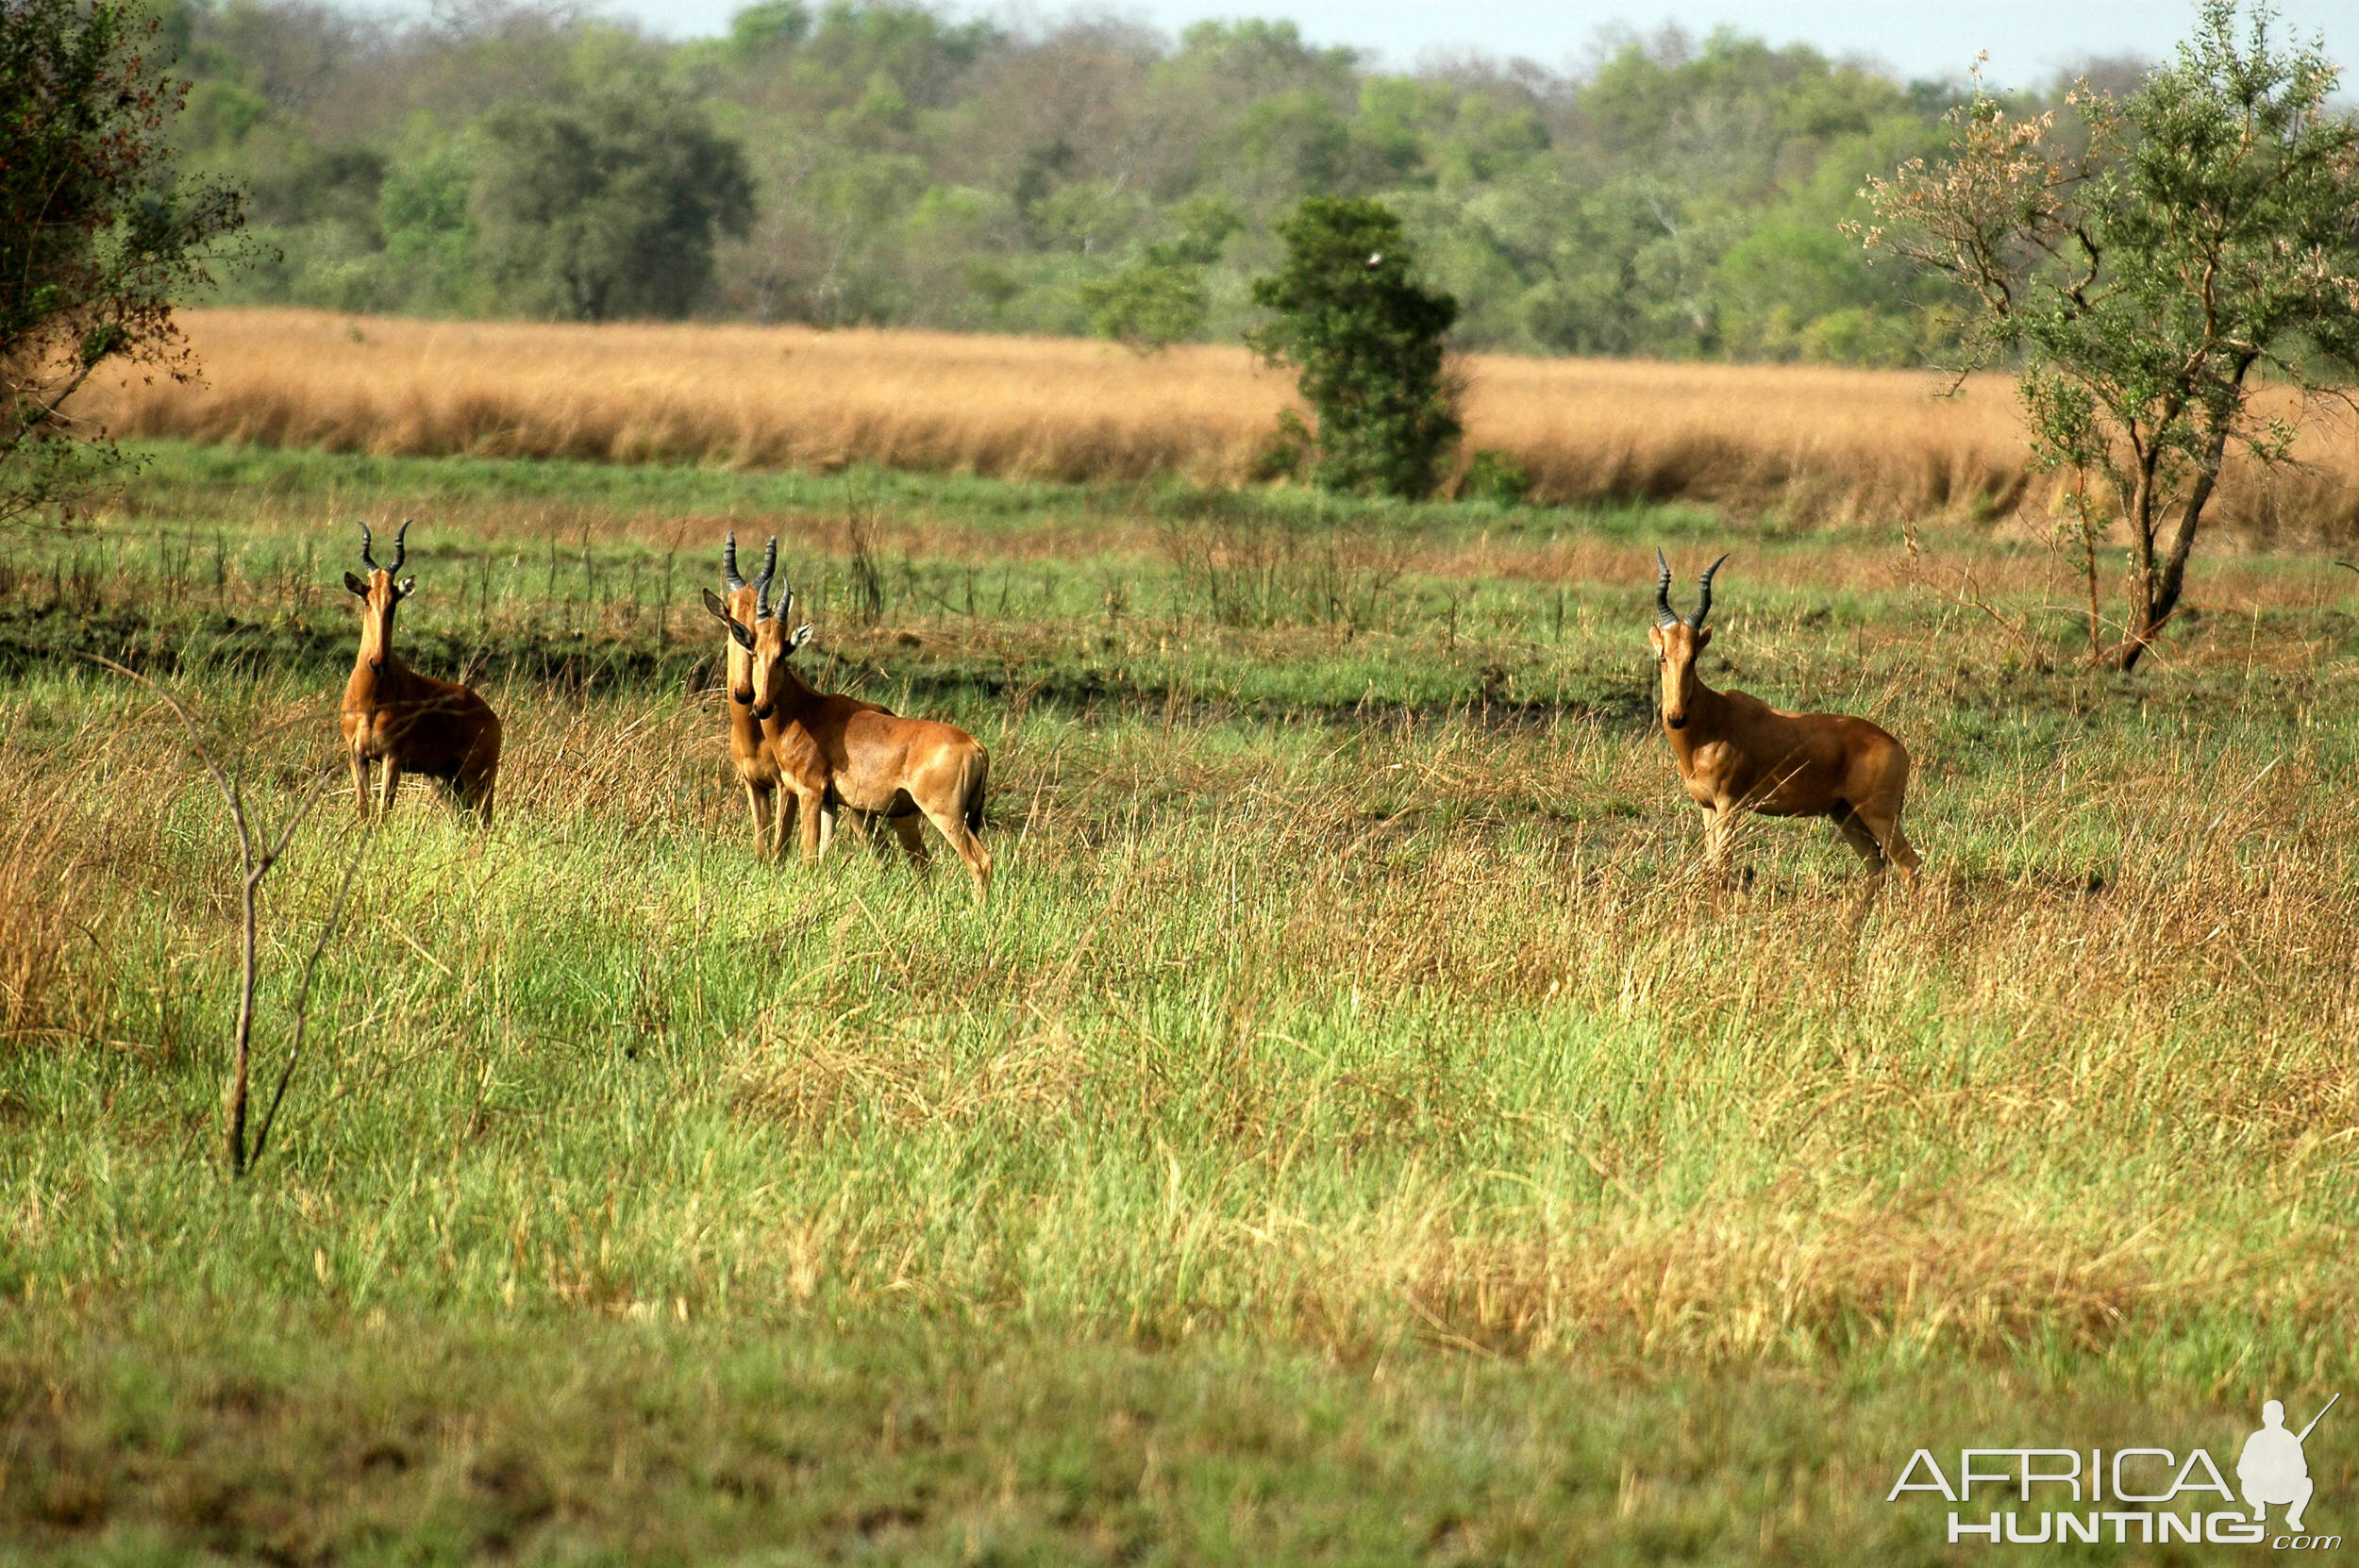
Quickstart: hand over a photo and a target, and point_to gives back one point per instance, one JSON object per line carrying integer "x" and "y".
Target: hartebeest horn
{"x": 729, "y": 579}
{"x": 367, "y": 559}
{"x": 1703, "y": 594}
{"x": 1664, "y": 614}
{"x": 401, "y": 547}
{"x": 761, "y": 584}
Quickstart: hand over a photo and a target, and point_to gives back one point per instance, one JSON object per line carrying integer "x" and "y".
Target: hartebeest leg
{"x": 1855, "y": 833}
{"x": 1896, "y": 844}
{"x": 476, "y": 788}
{"x": 784, "y": 813}
{"x": 360, "y": 782}
{"x": 912, "y": 838}
{"x": 810, "y": 811}
{"x": 385, "y": 783}
{"x": 969, "y": 846}
{"x": 760, "y": 803}
{"x": 1717, "y": 829}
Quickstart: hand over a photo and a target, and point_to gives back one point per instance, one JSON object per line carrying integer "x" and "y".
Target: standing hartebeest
{"x": 1736, "y": 753}
{"x": 752, "y": 743}
{"x": 406, "y": 722}
{"x": 837, "y": 752}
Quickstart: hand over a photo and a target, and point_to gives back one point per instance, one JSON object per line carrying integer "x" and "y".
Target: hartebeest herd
{"x": 803, "y": 756}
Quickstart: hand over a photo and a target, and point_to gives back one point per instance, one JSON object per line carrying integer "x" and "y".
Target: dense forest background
{"x": 887, "y": 164}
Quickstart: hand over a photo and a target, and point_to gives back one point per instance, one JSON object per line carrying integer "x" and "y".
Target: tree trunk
{"x": 2142, "y": 583}
{"x": 242, "y": 1055}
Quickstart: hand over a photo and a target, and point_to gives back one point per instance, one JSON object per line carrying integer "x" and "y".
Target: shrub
{"x": 1367, "y": 340}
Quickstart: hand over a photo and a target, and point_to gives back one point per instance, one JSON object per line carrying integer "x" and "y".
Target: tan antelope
{"x": 840, "y": 754}
{"x": 752, "y": 743}
{"x": 1737, "y": 754}
{"x": 405, "y": 722}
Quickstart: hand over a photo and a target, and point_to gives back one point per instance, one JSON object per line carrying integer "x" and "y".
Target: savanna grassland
{"x": 1810, "y": 443}
{"x": 1354, "y": 1130}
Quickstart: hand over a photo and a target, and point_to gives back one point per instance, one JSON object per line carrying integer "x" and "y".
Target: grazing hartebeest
{"x": 837, "y": 752}
{"x": 404, "y": 720}
{"x": 752, "y": 747}
{"x": 1736, "y": 753}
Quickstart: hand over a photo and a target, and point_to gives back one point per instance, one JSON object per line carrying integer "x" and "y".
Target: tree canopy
{"x": 909, "y": 168}
{"x": 99, "y": 235}
{"x": 2145, "y": 261}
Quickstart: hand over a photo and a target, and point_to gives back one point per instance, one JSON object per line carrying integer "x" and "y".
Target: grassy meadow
{"x": 1353, "y": 1131}
{"x": 1809, "y": 444}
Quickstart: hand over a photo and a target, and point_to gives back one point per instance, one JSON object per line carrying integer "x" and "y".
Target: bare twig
{"x": 257, "y": 852}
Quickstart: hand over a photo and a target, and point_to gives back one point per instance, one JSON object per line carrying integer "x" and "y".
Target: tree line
{"x": 857, "y": 163}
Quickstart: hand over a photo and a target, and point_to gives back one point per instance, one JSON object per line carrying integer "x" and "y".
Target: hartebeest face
{"x": 744, "y": 609}
{"x": 379, "y": 595}
{"x": 758, "y": 643}
{"x": 773, "y": 648}
{"x": 1675, "y": 649}
{"x": 1677, "y": 642}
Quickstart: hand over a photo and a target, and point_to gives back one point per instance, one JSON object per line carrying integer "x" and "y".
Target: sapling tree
{"x": 2148, "y": 265}
{"x": 1367, "y": 340}
{"x": 261, "y": 845}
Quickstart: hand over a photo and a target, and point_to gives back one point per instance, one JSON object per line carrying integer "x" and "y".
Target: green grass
{"x": 1353, "y": 1133}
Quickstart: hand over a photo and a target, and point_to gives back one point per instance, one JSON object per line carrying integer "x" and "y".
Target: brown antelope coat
{"x": 1736, "y": 754}
{"x": 403, "y": 722}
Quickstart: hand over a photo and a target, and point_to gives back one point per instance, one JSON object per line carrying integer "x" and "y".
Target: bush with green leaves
{"x": 2146, "y": 270}
{"x": 1367, "y": 339}
{"x": 606, "y": 204}
{"x": 99, "y": 233}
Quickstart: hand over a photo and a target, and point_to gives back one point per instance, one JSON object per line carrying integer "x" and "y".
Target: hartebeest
{"x": 1737, "y": 754}
{"x": 406, "y": 722}
{"x": 837, "y": 752}
{"x": 752, "y": 743}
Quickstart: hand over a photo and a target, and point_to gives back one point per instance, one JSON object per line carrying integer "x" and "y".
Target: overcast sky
{"x": 2027, "y": 40}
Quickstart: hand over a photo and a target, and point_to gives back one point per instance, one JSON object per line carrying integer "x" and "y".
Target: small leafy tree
{"x": 607, "y": 204}
{"x": 98, "y": 233}
{"x": 1163, "y": 297}
{"x": 1367, "y": 339}
{"x": 2204, "y": 238}
{"x": 1150, "y": 303}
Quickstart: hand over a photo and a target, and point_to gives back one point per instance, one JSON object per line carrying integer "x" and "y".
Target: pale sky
{"x": 2027, "y": 40}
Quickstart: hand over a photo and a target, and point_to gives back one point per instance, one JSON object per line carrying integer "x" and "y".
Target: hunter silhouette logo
{"x": 2272, "y": 1469}
{"x": 2129, "y": 1496}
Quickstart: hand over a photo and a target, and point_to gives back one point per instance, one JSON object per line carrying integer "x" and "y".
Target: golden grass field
{"x": 1811, "y": 442}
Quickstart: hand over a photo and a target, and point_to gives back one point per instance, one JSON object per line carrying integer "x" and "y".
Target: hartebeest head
{"x": 740, "y": 612}
{"x": 379, "y": 593}
{"x": 758, "y": 643}
{"x": 1678, "y": 642}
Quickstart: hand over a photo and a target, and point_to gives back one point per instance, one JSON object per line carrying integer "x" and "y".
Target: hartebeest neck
{"x": 1707, "y": 712}
{"x": 379, "y": 676}
{"x": 796, "y": 696}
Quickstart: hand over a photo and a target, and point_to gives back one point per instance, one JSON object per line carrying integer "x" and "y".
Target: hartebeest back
{"x": 405, "y": 722}
{"x": 837, "y": 752}
{"x": 1737, "y": 754}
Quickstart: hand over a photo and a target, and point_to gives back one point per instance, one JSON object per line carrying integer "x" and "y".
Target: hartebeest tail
{"x": 1737, "y": 754}
{"x": 837, "y": 752}
{"x": 404, "y": 722}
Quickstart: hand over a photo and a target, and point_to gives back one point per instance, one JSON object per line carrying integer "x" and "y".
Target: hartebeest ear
{"x": 360, "y": 588}
{"x": 408, "y": 585}
{"x": 1703, "y": 639}
{"x": 1654, "y": 638}
{"x": 737, "y": 627}
{"x": 802, "y": 635}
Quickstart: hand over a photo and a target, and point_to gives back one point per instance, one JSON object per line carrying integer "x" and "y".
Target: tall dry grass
{"x": 1815, "y": 443}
